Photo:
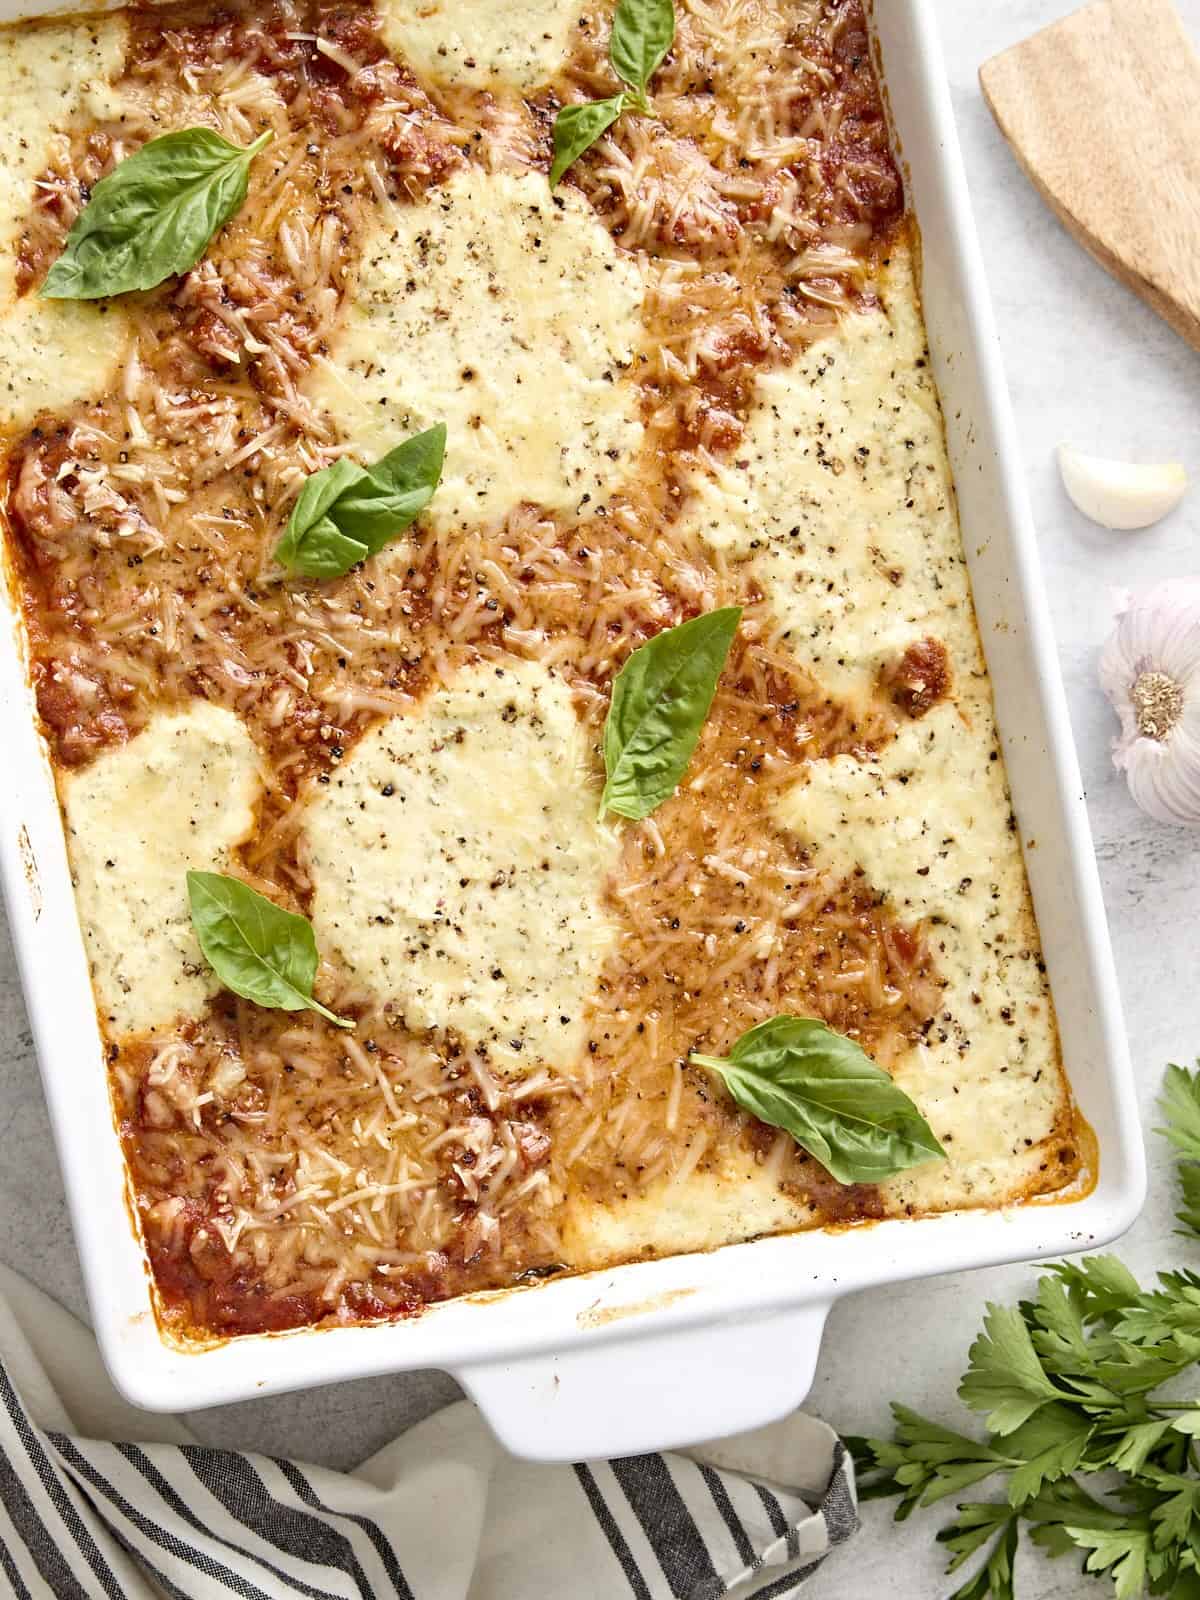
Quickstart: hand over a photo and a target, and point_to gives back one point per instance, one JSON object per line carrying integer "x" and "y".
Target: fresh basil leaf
{"x": 346, "y": 513}
{"x": 394, "y": 492}
{"x": 576, "y": 129}
{"x": 659, "y": 702}
{"x": 312, "y": 544}
{"x": 257, "y": 949}
{"x": 153, "y": 215}
{"x": 642, "y": 33}
{"x": 796, "y": 1074}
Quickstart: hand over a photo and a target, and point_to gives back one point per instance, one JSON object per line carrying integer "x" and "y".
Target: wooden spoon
{"x": 1103, "y": 113}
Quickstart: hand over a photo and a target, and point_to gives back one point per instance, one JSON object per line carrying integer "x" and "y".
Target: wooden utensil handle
{"x": 1103, "y": 113}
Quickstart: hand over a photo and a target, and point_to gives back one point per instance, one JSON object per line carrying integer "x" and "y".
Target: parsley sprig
{"x": 1094, "y": 1461}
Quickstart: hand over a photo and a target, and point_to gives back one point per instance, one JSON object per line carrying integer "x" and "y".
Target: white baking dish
{"x": 668, "y": 1352}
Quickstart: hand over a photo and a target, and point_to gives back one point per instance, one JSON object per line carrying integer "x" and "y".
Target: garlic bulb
{"x": 1118, "y": 494}
{"x": 1150, "y": 670}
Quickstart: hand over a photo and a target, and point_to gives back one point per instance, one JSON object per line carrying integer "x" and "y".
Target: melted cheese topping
{"x": 458, "y": 866}
{"x": 841, "y": 494}
{"x": 179, "y": 796}
{"x": 733, "y": 1199}
{"x": 516, "y": 43}
{"x": 927, "y": 823}
{"x": 51, "y": 352}
{"x": 508, "y": 315}
{"x": 841, "y": 503}
{"x": 866, "y": 560}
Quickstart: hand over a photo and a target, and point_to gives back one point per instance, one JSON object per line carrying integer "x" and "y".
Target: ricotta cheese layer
{"x": 841, "y": 505}
{"x": 734, "y": 1198}
{"x": 509, "y": 314}
{"x": 458, "y": 866}
{"x": 517, "y": 44}
{"x": 871, "y": 563}
{"x": 840, "y": 494}
{"x": 51, "y": 352}
{"x": 177, "y": 797}
{"x": 927, "y": 824}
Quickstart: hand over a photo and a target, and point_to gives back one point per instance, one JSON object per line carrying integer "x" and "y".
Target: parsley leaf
{"x": 1125, "y": 1552}
{"x": 1173, "y": 1309}
{"x": 994, "y": 1580}
{"x": 1005, "y": 1377}
{"x": 1181, "y": 1103}
{"x": 1049, "y": 1446}
{"x": 1102, "y": 1284}
{"x": 925, "y": 1463}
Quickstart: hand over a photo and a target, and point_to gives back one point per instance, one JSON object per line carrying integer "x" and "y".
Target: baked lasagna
{"x": 692, "y": 375}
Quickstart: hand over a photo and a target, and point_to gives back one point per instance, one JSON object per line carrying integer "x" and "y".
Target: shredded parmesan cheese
{"x": 691, "y": 376}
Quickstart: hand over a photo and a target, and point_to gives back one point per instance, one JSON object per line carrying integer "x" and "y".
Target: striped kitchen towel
{"x": 442, "y": 1513}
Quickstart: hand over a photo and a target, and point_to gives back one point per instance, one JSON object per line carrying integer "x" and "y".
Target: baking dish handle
{"x": 627, "y": 1396}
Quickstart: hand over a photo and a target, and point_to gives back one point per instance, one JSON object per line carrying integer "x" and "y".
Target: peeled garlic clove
{"x": 1118, "y": 494}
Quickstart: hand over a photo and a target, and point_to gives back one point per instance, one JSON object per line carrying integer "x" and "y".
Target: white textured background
{"x": 1086, "y": 362}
